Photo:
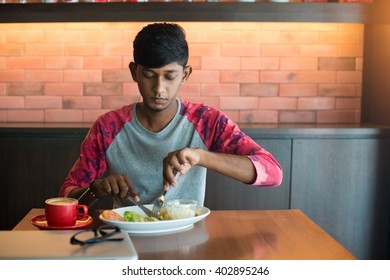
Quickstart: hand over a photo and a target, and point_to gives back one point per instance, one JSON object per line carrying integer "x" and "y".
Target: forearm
{"x": 234, "y": 166}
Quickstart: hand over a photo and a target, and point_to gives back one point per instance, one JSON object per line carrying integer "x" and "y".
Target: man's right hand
{"x": 114, "y": 185}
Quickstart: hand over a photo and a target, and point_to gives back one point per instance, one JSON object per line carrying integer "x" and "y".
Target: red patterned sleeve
{"x": 91, "y": 163}
{"x": 221, "y": 134}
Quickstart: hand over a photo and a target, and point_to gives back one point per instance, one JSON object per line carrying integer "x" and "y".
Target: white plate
{"x": 155, "y": 227}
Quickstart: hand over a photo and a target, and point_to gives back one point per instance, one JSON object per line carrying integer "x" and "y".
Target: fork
{"x": 159, "y": 202}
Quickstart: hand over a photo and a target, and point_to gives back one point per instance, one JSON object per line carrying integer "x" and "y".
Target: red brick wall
{"x": 255, "y": 72}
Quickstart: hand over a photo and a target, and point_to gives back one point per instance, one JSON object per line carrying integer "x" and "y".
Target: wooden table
{"x": 242, "y": 234}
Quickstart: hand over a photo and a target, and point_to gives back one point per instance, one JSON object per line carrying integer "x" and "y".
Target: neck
{"x": 155, "y": 121}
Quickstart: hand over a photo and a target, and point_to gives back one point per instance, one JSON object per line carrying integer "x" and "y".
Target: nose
{"x": 159, "y": 86}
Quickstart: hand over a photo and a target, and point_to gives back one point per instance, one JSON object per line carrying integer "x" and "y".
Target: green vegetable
{"x": 131, "y": 216}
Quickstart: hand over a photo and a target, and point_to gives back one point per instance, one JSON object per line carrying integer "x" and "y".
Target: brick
{"x": 335, "y": 117}
{"x": 61, "y": 62}
{"x": 298, "y": 63}
{"x": 351, "y": 50}
{"x": 82, "y": 102}
{"x": 337, "y": 90}
{"x": 100, "y": 89}
{"x": 11, "y": 76}
{"x": 348, "y": 103}
{"x": 220, "y": 63}
{"x": 195, "y": 62}
{"x": 278, "y": 76}
{"x": 319, "y": 50}
{"x": 278, "y": 103}
{"x": 316, "y": 103}
{"x": 83, "y": 25}
{"x": 90, "y": 116}
{"x": 44, "y": 49}
{"x": 3, "y": 116}
{"x": 82, "y": 75}
{"x": 338, "y": 37}
{"x": 205, "y": 76}
{"x": 83, "y": 49}
{"x": 317, "y": 76}
{"x": 238, "y": 103}
{"x": 25, "y": 62}
{"x": 239, "y": 76}
{"x": 259, "y": 63}
{"x": 260, "y": 37}
{"x": 349, "y": 77}
{"x": 2, "y": 89}
{"x": 233, "y": 115}
{"x": 257, "y": 89}
{"x": 115, "y": 49}
{"x": 25, "y": 89}
{"x": 205, "y": 49}
{"x": 221, "y": 36}
{"x": 219, "y": 90}
{"x": 240, "y": 49}
{"x": 337, "y": 63}
{"x": 297, "y": 117}
{"x": 299, "y": 37}
{"x": 64, "y": 36}
{"x": 277, "y": 26}
{"x": 44, "y": 75}
{"x": 298, "y": 90}
{"x": 102, "y": 36}
{"x": 25, "y": 116}
{"x": 279, "y": 50}
{"x": 66, "y": 89}
{"x": 130, "y": 89}
{"x": 190, "y": 89}
{"x": 11, "y": 49}
{"x": 117, "y": 75}
{"x": 113, "y": 102}
{"x": 23, "y": 36}
{"x": 11, "y": 102}
{"x": 258, "y": 116}
{"x": 43, "y": 102}
{"x": 102, "y": 62}
{"x": 58, "y": 115}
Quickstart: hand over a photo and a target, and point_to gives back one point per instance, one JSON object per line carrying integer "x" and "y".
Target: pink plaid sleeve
{"x": 91, "y": 163}
{"x": 220, "y": 134}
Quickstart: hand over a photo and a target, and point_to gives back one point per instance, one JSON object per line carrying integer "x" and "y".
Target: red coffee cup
{"x": 64, "y": 211}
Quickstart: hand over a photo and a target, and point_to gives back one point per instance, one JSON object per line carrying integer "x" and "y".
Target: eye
{"x": 147, "y": 74}
{"x": 170, "y": 77}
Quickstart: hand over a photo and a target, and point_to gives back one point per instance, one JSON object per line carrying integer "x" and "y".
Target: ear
{"x": 186, "y": 73}
{"x": 133, "y": 71}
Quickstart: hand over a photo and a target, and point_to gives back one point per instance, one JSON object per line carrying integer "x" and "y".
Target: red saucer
{"x": 40, "y": 222}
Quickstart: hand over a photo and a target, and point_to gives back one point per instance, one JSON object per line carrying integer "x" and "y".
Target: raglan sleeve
{"x": 91, "y": 163}
{"x": 228, "y": 138}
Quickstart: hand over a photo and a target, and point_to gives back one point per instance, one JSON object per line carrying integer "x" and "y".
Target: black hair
{"x": 159, "y": 44}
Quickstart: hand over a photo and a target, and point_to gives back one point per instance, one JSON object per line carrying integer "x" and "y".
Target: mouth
{"x": 159, "y": 100}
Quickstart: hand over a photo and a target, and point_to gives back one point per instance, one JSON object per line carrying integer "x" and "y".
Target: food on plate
{"x": 131, "y": 216}
{"x": 112, "y": 215}
{"x": 182, "y": 208}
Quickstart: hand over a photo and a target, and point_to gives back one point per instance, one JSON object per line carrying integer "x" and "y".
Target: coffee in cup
{"x": 64, "y": 211}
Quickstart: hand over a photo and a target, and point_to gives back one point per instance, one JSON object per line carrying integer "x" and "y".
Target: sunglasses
{"x": 96, "y": 235}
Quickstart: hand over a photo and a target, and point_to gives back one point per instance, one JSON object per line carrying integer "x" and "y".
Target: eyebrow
{"x": 165, "y": 71}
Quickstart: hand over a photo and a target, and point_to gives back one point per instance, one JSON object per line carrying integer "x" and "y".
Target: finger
{"x": 130, "y": 189}
{"x": 113, "y": 184}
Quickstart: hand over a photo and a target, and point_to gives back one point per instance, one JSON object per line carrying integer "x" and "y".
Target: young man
{"x": 163, "y": 141}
